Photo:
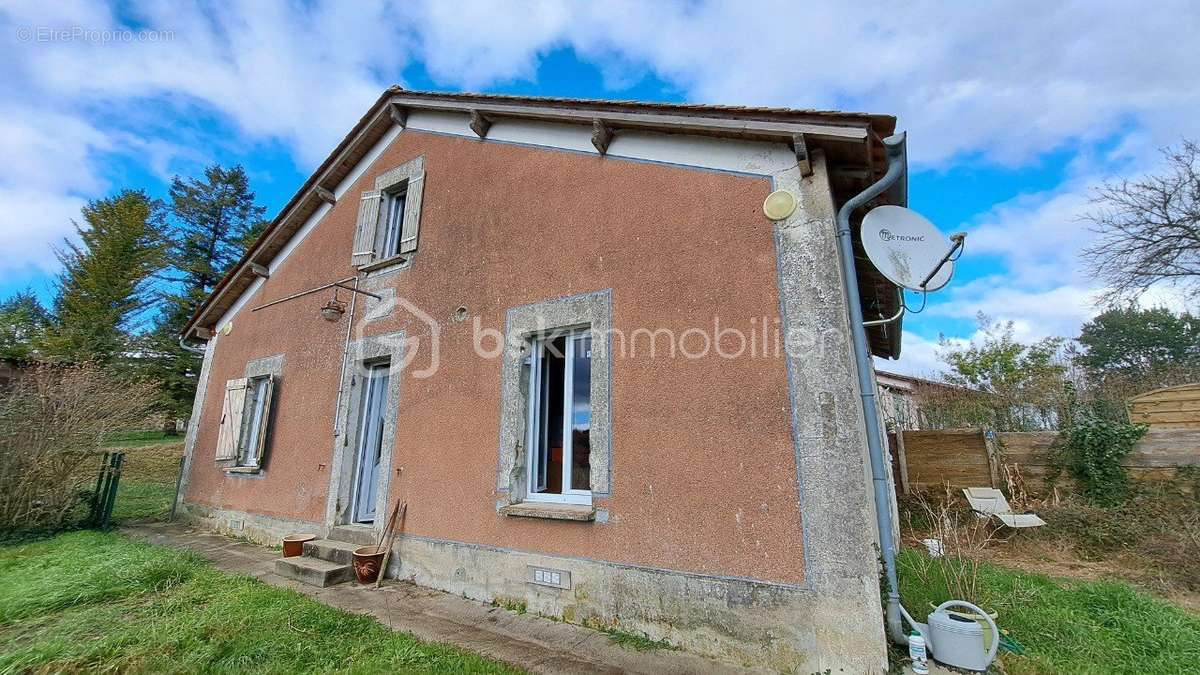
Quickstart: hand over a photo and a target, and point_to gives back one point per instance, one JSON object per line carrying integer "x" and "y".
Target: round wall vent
{"x": 779, "y": 205}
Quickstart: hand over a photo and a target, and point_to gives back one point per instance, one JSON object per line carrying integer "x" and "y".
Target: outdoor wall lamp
{"x": 332, "y": 310}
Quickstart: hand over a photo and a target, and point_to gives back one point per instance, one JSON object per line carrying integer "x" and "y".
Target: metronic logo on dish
{"x": 886, "y": 235}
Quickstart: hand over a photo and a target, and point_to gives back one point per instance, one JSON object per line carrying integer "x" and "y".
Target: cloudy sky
{"x": 1014, "y": 109}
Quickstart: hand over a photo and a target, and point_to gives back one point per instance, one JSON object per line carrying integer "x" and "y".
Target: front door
{"x": 370, "y": 442}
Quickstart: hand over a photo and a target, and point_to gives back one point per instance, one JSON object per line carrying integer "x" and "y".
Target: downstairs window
{"x": 560, "y": 418}
{"x": 245, "y": 415}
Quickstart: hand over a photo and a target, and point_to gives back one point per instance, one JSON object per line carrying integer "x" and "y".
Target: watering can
{"x": 957, "y": 641}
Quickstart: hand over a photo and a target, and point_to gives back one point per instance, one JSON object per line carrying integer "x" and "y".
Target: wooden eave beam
{"x": 399, "y": 114}
{"x": 325, "y": 195}
{"x": 803, "y": 160}
{"x": 602, "y": 135}
{"x": 480, "y": 124}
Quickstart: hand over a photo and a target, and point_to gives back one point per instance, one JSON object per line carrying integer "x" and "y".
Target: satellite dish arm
{"x": 897, "y": 162}
{"x": 959, "y": 239}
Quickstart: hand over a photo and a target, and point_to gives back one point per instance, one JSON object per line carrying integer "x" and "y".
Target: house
{"x": 897, "y": 400}
{"x": 900, "y": 397}
{"x": 566, "y": 334}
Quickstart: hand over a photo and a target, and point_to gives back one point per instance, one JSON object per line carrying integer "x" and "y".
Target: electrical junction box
{"x": 543, "y": 576}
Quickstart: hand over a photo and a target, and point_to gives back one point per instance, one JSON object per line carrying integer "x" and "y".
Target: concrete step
{"x": 339, "y": 552}
{"x": 313, "y": 571}
{"x": 362, "y": 535}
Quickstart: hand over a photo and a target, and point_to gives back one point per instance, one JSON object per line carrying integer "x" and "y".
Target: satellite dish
{"x": 906, "y": 248}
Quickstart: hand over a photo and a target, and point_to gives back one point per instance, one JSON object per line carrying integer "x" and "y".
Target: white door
{"x": 370, "y": 443}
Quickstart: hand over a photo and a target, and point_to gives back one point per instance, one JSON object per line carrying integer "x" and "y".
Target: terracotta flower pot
{"x": 293, "y": 544}
{"x": 367, "y": 561}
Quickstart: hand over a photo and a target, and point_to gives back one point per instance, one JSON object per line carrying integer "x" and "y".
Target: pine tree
{"x": 23, "y": 324}
{"x": 102, "y": 291}
{"x": 213, "y": 220}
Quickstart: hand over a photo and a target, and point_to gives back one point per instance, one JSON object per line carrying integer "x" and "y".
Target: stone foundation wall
{"x": 747, "y": 621}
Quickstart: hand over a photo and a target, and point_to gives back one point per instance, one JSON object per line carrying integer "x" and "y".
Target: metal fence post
{"x": 178, "y": 482}
{"x": 94, "y": 511}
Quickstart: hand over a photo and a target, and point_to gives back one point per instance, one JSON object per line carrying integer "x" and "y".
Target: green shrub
{"x": 1092, "y": 447}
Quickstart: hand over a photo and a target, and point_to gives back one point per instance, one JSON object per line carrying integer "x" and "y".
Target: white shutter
{"x": 230, "y": 431}
{"x": 368, "y": 223}
{"x": 412, "y": 214}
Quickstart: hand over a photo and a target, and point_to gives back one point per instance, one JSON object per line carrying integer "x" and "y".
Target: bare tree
{"x": 53, "y": 419}
{"x": 1149, "y": 228}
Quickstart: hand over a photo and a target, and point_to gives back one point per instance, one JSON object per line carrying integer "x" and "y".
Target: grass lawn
{"x": 101, "y": 602}
{"x": 1069, "y": 626}
{"x": 140, "y": 501}
{"x": 134, "y": 439}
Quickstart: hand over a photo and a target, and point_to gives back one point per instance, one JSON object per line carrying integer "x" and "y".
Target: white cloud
{"x": 973, "y": 82}
{"x": 1035, "y": 313}
{"x": 29, "y": 222}
{"x": 281, "y": 72}
{"x": 918, "y": 358}
{"x": 44, "y": 175}
{"x": 1009, "y": 80}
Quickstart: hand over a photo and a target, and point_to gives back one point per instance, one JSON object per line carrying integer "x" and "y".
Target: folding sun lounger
{"x": 991, "y": 502}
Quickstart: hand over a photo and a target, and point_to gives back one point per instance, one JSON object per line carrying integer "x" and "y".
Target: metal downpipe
{"x": 195, "y": 350}
{"x": 895, "y": 146}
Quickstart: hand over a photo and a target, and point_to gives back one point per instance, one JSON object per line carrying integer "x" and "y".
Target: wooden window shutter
{"x": 232, "y": 409}
{"x": 412, "y": 214}
{"x": 368, "y": 224}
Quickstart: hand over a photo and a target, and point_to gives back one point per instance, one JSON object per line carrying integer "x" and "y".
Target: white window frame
{"x": 535, "y": 440}
{"x": 393, "y": 222}
{"x": 253, "y": 436}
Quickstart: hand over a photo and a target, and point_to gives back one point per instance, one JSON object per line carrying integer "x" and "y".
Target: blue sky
{"x": 1015, "y": 110}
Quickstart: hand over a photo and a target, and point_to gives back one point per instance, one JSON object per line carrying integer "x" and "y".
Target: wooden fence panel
{"x": 960, "y": 457}
{"x": 1166, "y": 448}
{"x": 1170, "y": 408}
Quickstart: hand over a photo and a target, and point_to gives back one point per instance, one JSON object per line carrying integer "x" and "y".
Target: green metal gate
{"x": 105, "y": 495}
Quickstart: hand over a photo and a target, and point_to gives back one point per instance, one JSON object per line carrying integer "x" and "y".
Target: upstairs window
{"x": 393, "y": 222}
{"x": 560, "y": 418}
{"x": 389, "y": 217}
